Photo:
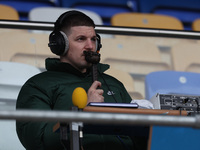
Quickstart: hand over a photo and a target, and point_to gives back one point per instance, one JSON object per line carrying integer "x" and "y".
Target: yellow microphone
{"x": 79, "y": 97}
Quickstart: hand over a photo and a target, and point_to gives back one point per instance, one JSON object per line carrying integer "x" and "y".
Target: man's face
{"x": 81, "y": 38}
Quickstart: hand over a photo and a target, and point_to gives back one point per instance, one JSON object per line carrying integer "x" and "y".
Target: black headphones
{"x": 58, "y": 40}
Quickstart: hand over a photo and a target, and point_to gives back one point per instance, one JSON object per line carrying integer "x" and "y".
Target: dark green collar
{"x": 54, "y": 64}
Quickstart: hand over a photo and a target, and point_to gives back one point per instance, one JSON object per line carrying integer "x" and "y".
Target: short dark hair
{"x": 73, "y": 18}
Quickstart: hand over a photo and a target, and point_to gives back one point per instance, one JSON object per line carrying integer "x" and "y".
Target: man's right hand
{"x": 95, "y": 94}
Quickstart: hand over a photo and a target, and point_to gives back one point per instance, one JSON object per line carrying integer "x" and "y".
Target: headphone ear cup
{"x": 98, "y": 44}
{"x": 58, "y": 43}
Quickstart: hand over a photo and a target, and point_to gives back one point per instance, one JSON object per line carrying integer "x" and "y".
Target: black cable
{"x": 197, "y": 102}
{"x": 125, "y": 146}
{"x": 180, "y": 110}
{"x": 108, "y": 87}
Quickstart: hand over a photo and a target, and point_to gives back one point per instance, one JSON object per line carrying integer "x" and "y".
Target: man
{"x": 52, "y": 90}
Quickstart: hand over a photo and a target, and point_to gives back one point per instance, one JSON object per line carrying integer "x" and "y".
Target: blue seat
{"x": 172, "y": 82}
{"x": 24, "y": 6}
{"x": 150, "y": 6}
{"x": 174, "y": 138}
{"x": 106, "y": 9}
{"x": 185, "y": 10}
{"x": 122, "y": 3}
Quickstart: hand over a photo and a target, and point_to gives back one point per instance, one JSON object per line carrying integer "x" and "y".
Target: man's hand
{"x": 94, "y": 94}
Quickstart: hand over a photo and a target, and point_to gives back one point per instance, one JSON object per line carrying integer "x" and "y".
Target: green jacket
{"x": 52, "y": 90}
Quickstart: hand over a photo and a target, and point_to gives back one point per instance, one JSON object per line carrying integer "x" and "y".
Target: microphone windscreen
{"x": 79, "y": 97}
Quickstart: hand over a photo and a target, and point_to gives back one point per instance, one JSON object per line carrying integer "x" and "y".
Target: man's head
{"x": 58, "y": 41}
{"x": 73, "y": 34}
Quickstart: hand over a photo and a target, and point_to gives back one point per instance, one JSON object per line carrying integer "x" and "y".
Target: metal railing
{"x": 104, "y": 29}
{"x": 101, "y": 118}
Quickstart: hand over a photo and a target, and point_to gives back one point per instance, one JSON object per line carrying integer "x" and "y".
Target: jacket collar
{"x": 54, "y": 64}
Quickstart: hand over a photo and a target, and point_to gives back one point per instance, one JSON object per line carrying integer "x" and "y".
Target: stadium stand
{"x": 185, "y": 11}
{"x": 131, "y": 59}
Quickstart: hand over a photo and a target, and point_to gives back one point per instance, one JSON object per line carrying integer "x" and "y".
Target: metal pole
{"x": 103, "y": 29}
{"x": 101, "y": 118}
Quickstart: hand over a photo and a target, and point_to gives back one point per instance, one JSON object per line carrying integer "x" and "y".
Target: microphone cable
{"x": 108, "y": 87}
{"x": 125, "y": 146}
{"x": 180, "y": 110}
{"x": 197, "y": 102}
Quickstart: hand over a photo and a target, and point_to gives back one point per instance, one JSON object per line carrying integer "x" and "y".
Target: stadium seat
{"x": 145, "y": 20}
{"x": 123, "y": 3}
{"x": 24, "y": 6}
{"x": 186, "y": 11}
{"x": 128, "y": 55}
{"x": 127, "y": 80}
{"x": 133, "y": 56}
{"x": 27, "y": 47}
{"x": 196, "y": 25}
{"x": 186, "y": 16}
{"x": 150, "y": 6}
{"x": 50, "y": 14}
{"x": 185, "y": 56}
{"x": 106, "y": 9}
{"x": 8, "y": 13}
{"x": 172, "y": 82}
{"x": 9, "y": 139}
{"x": 13, "y": 75}
{"x": 174, "y": 138}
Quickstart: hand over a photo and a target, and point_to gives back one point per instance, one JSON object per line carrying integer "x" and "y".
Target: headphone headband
{"x": 59, "y": 22}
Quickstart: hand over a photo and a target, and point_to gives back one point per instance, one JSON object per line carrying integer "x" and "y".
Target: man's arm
{"x": 36, "y": 135}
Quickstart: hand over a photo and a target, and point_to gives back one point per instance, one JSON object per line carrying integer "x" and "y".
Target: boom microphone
{"x": 94, "y": 58}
